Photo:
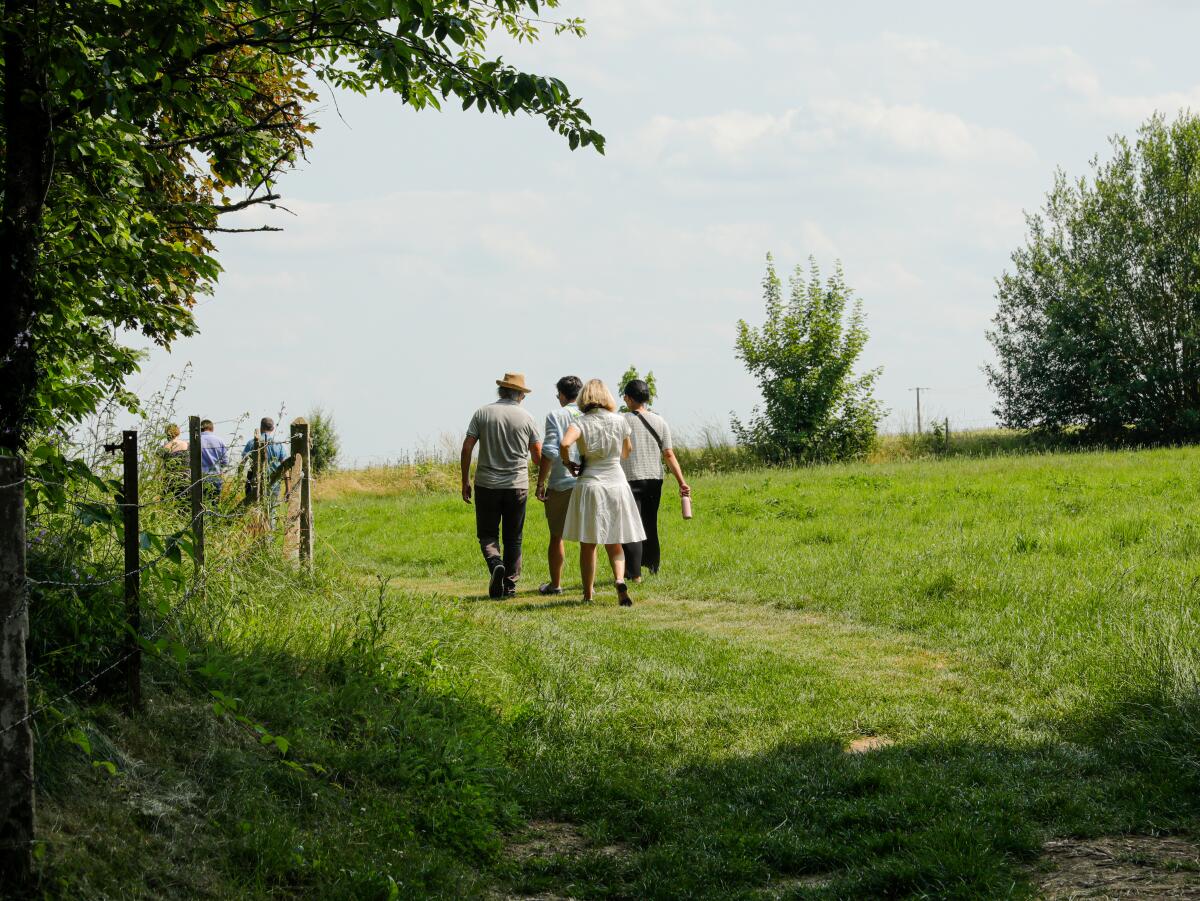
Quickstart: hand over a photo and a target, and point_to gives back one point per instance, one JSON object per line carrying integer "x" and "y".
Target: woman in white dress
{"x": 602, "y": 509}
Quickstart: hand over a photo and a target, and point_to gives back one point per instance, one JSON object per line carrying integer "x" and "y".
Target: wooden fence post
{"x": 130, "y": 502}
{"x": 297, "y": 541}
{"x": 16, "y": 733}
{"x": 306, "y": 517}
{"x": 197, "y": 495}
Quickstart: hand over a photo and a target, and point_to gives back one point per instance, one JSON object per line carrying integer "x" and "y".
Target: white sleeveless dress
{"x": 602, "y": 509}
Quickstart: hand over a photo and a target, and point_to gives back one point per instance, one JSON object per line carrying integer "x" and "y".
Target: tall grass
{"x": 1022, "y": 627}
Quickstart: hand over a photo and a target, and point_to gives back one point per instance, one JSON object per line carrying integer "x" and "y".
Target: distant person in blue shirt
{"x": 275, "y": 455}
{"x": 275, "y": 452}
{"x": 556, "y": 495}
{"x": 214, "y": 456}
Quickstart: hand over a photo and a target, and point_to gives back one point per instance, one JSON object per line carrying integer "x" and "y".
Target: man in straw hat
{"x": 507, "y": 437}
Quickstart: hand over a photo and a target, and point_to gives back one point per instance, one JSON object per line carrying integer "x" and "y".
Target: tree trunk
{"x": 27, "y": 168}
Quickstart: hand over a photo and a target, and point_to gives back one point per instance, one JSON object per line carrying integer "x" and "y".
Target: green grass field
{"x": 1017, "y": 636}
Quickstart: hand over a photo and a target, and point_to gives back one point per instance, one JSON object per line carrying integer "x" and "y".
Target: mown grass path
{"x": 996, "y": 621}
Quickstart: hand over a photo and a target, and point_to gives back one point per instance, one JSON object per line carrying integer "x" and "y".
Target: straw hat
{"x": 515, "y": 380}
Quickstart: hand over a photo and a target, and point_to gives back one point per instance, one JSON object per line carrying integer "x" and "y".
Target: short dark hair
{"x": 637, "y": 390}
{"x": 509, "y": 393}
{"x": 206, "y": 425}
{"x": 266, "y": 424}
{"x": 569, "y": 386}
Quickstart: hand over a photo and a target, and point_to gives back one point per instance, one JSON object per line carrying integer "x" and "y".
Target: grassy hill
{"x": 888, "y": 680}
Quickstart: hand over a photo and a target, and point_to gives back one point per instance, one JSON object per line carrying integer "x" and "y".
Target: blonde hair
{"x": 172, "y": 431}
{"x": 595, "y": 396}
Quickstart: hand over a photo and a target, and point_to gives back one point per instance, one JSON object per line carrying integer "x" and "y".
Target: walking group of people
{"x": 600, "y": 477}
{"x": 214, "y": 454}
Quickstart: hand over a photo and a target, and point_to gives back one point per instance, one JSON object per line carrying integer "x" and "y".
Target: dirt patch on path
{"x": 547, "y": 839}
{"x": 869, "y": 743}
{"x": 551, "y": 838}
{"x": 1122, "y": 867}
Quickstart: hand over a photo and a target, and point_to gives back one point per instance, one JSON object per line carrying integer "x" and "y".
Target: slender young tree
{"x": 129, "y": 129}
{"x": 815, "y": 408}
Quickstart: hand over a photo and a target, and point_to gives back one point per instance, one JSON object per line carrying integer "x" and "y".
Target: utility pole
{"x": 919, "y": 390}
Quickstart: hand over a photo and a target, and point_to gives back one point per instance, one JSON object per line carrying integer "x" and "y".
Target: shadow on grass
{"x": 421, "y": 783}
{"x": 932, "y": 819}
{"x": 397, "y": 791}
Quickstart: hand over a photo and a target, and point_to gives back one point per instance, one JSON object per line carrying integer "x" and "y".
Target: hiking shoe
{"x": 623, "y": 595}
{"x": 509, "y": 593}
{"x": 546, "y": 589}
{"x": 496, "y": 583}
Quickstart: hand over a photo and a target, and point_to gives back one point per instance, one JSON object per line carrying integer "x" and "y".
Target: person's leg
{"x": 633, "y": 551}
{"x": 556, "y": 553}
{"x": 487, "y": 525}
{"x": 515, "y": 501}
{"x": 616, "y": 557}
{"x": 651, "y": 499}
{"x": 587, "y": 569}
{"x": 557, "y": 505}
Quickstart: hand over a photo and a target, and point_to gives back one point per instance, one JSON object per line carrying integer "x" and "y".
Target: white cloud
{"x": 727, "y": 134}
{"x": 917, "y": 129}
{"x": 515, "y": 245}
{"x": 713, "y": 47}
{"x": 911, "y": 128}
{"x": 1071, "y": 71}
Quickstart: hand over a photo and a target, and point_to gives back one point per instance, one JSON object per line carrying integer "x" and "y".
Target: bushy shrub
{"x": 326, "y": 445}
{"x": 1095, "y": 326}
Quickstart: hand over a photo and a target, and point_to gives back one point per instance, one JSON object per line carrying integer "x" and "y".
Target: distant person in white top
{"x": 602, "y": 509}
{"x": 507, "y": 437}
{"x": 651, "y": 438}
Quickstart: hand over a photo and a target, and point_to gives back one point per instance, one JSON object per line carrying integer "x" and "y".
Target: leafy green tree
{"x": 129, "y": 129}
{"x": 815, "y": 408}
{"x": 326, "y": 445}
{"x": 1098, "y": 324}
{"x": 630, "y": 375}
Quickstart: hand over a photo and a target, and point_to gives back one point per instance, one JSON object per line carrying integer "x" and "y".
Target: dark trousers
{"x": 501, "y": 511}
{"x": 648, "y": 495}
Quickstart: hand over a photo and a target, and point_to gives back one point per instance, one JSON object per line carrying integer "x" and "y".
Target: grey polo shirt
{"x": 505, "y": 430}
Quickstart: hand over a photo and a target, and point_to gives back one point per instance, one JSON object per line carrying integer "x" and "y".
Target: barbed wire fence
{"x": 276, "y": 499}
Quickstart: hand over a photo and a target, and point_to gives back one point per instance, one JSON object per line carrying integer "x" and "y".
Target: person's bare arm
{"x": 626, "y": 448}
{"x": 677, "y": 471}
{"x": 543, "y": 474}
{"x": 535, "y": 452}
{"x": 464, "y": 462}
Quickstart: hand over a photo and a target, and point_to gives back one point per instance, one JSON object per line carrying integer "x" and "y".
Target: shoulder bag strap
{"x": 649, "y": 428}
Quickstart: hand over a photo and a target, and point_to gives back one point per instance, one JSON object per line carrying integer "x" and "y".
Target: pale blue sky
{"x": 433, "y": 251}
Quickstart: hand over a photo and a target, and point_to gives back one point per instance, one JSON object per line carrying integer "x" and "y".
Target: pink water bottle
{"x": 686, "y": 501}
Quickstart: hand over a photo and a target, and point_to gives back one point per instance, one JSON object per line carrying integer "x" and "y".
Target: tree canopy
{"x": 129, "y": 129}
{"x": 1098, "y": 323}
{"x": 815, "y": 408}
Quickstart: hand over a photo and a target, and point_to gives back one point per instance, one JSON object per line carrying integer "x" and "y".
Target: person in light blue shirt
{"x": 555, "y": 481}
{"x": 275, "y": 454}
{"x": 214, "y": 456}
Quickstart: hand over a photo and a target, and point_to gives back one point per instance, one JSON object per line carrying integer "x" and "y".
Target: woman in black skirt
{"x": 644, "y": 469}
